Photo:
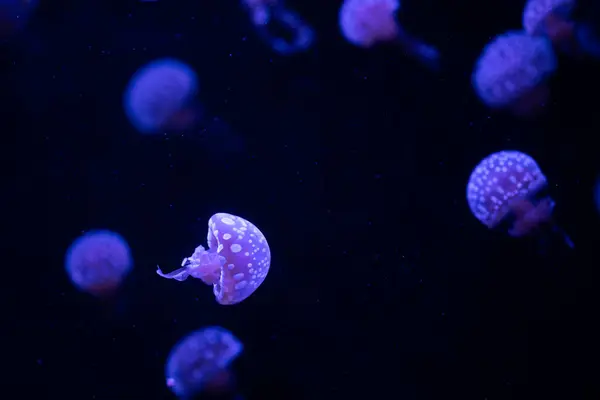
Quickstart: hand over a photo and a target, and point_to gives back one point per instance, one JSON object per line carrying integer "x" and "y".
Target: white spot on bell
{"x": 235, "y": 248}
{"x": 226, "y": 236}
{"x": 241, "y": 285}
{"x": 227, "y": 221}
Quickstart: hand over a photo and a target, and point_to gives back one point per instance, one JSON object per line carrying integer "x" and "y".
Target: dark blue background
{"x": 353, "y": 163}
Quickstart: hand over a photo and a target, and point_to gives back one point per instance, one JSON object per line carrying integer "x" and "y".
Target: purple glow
{"x": 499, "y": 178}
{"x": 98, "y": 261}
{"x": 199, "y": 359}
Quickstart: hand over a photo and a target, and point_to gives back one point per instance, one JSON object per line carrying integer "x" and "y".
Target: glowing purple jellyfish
{"x": 512, "y": 72}
{"x": 265, "y": 13}
{"x": 552, "y": 19}
{"x": 200, "y": 361}
{"x": 98, "y": 261}
{"x": 365, "y": 23}
{"x": 236, "y": 263}
{"x": 160, "y": 96}
{"x": 510, "y": 184}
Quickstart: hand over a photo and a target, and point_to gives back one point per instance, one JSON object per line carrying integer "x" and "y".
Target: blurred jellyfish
{"x": 553, "y": 19}
{"x": 200, "y": 362}
{"x": 509, "y": 187}
{"x": 236, "y": 263}
{"x": 268, "y": 16}
{"x": 513, "y": 71}
{"x": 14, "y": 14}
{"x": 160, "y": 96}
{"x": 98, "y": 261}
{"x": 365, "y": 23}
{"x": 549, "y": 18}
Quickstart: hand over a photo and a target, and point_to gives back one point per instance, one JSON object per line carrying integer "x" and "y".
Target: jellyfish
{"x": 508, "y": 188}
{"x": 236, "y": 263}
{"x": 553, "y": 19}
{"x": 513, "y": 71}
{"x": 160, "y": 97}
{"x": 98, "y": 261}
{"x": 200, "y": 362}
{"x": 268, "y": 16}
{"x": 365, "y": 23}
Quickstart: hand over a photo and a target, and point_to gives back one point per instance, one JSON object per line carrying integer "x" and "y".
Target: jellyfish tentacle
{"x": 424, "y": 52}
{"x": 205, "y": 265}
{"x": 180, "y": 274}
{"x": 265, "y": 15}
{"x": 564, "y": 235}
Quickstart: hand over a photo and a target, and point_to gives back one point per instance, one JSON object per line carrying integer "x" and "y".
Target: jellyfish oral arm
{"x": 204, "y": 264}
{"x": 180, "y": 274}
{"x": 424, "y": 52}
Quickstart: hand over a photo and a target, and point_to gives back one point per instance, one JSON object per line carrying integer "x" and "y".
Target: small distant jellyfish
{"x": 513, "y": 72}
{"x": 98, "y": 261}
{"x": 508, "y": 188}
{"x": 161, "y": 97}
{"x": 200, "y": 362}
{"x": 553, "y": 19}
{"x": 269, "y": 14}
{"x": 365, "y": 23}
{"x": 236, "y": 263}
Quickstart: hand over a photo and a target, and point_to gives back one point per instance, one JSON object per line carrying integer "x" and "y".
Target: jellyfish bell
{"x": 200, "y": 362}
{"x": 98, "y": 262}
{"x": 161, "y": 96}
{"x": 365, "y": 23}
{"x": 550, "y": 18}
{"x": 513, "y": 71}
{"x": 509, "y": 188}
{"x": 236, "y": 262}
{"x": 284, "y": 30}
{"x": 554, "y": 20}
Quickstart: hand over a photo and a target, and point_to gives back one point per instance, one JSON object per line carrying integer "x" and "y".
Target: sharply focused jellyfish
{"x": 268, "y": 16}
{"x": 98, "y": 261}
{"x": 508, "y": 188}
{"x": 161, "y": 96}
{"x": 14, "y": 14}
{"x": 513, "y": 71}
{"x": 200, "y": 361}
{"x": 553, "y": 19}
{"x": 365, "y": 23}
{"x": 236, "y": 263}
